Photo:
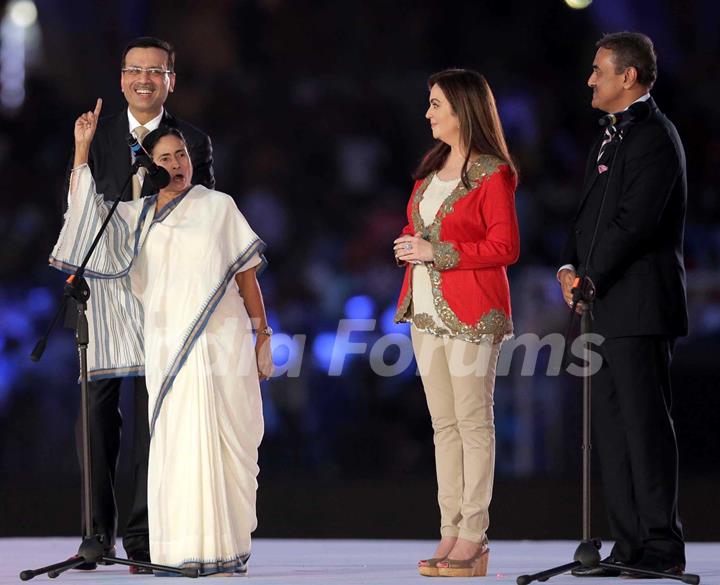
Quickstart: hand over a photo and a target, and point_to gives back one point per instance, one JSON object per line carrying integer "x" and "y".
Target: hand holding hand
{"x": 413, "y": 249}
{"x": 263, "y": 355}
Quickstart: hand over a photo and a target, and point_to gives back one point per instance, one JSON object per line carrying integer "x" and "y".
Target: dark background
{"x": 316, "y": 112}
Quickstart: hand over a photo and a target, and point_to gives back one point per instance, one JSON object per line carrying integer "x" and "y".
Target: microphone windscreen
{"x": 159, "y": 178}
{"x": 607, "y": 120}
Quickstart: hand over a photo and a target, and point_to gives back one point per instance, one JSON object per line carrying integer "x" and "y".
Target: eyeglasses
{"x": 151, "y": 71}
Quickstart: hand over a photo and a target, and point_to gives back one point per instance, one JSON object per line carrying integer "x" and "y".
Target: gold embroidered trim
{"x": 494, "y": 324}
{"x": 483, "y": 338}
{"x": 418, "y": 223}
{"x": 425, "y": 322}
{"x": 445, "y": 256}
{"x": 484, "y": 166}
{"x": 403, "y": 313}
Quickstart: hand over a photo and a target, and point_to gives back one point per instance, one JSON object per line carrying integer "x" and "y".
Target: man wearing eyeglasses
{"x": 147, "y": 78}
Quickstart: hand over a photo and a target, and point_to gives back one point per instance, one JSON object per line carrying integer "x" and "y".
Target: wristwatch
{"x": 266, "y": 331}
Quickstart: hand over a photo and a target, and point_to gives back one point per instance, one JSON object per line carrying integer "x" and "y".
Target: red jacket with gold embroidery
{"x": 474, "y": 238}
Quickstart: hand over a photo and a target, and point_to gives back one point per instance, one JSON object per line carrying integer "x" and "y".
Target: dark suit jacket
{"x": 637, "y": 262}
{"x": 110, "y": 158}
{"x": 110, "y": 161}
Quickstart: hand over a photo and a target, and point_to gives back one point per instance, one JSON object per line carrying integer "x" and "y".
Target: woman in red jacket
{"x": 462, "y": 233}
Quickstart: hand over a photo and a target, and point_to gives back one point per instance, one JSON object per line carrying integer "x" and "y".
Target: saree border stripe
{"x": 198, "y": 325}
{"x": 124, "y": 372}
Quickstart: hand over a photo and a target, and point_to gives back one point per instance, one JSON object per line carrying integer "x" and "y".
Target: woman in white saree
{"x": 164, "y": 281}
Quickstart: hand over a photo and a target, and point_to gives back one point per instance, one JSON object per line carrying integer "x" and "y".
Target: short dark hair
{"x": 151, "y": 43}
{"x": 632, "y": 49}
{"x": 151, "y": 140}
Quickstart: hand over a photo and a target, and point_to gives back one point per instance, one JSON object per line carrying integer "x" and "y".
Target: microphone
{"x": 637, "y": 112}
{"x": 158, "y": 176}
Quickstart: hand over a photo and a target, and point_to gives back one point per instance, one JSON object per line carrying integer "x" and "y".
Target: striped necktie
{"x": 140, "y": 132}
{"x": 610, "y": 133}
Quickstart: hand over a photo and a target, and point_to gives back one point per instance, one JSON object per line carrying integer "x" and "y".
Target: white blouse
{"x": 425, "y": 316}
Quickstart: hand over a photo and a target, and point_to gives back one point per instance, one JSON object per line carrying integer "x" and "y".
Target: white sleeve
{"x": 564, "y": 267}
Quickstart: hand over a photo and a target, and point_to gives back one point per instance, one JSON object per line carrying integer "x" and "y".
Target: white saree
{"x": 164, "y": 302}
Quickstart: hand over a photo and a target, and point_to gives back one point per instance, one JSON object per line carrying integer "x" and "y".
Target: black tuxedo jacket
{"x": 637, "y": 262}
{"x": 110, "y": 158}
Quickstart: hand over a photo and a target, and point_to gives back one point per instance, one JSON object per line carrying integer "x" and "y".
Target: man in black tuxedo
{"x": 147, "y": 77}
{"x": 636, "y": 267}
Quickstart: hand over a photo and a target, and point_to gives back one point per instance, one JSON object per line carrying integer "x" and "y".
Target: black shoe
{"x": 142, "y": 556}
{"x": 109, "y": 552}
{"x": 660, "y": 563}
{"x": 600, "y": 571}
{"x": 674, "y": 570}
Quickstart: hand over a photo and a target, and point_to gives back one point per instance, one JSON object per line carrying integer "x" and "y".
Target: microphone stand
{"x": 92, "y": 549}
{"x": 587, "y": 554}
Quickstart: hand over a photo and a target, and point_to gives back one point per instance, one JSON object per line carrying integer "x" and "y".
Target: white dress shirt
{"x": 151, "y": 125}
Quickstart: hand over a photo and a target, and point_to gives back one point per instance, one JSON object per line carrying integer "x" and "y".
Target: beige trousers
{"x": 459, "y": 378}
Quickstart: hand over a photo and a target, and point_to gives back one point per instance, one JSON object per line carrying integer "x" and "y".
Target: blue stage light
{"x": 273, "y": 320}
{"x": 281, "y": 352}
{"x": 15, "y": 322}
{"x": 285, "y": 350}
{"x": 39, "y": 301}
{"x": 359, "y": 307}
{"x": 323, "y": 349}
{"x": 388, "y": 325}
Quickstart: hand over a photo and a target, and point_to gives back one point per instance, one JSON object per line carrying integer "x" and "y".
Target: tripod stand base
{"x": 587, "y": 555}
{"x": 91, "y": 551}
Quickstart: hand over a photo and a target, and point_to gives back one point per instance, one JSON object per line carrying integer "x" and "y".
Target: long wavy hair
{"x": 481, "y": 132}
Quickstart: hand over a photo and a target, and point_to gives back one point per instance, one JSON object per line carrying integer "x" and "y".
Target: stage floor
{"x": 338, "y": 562}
